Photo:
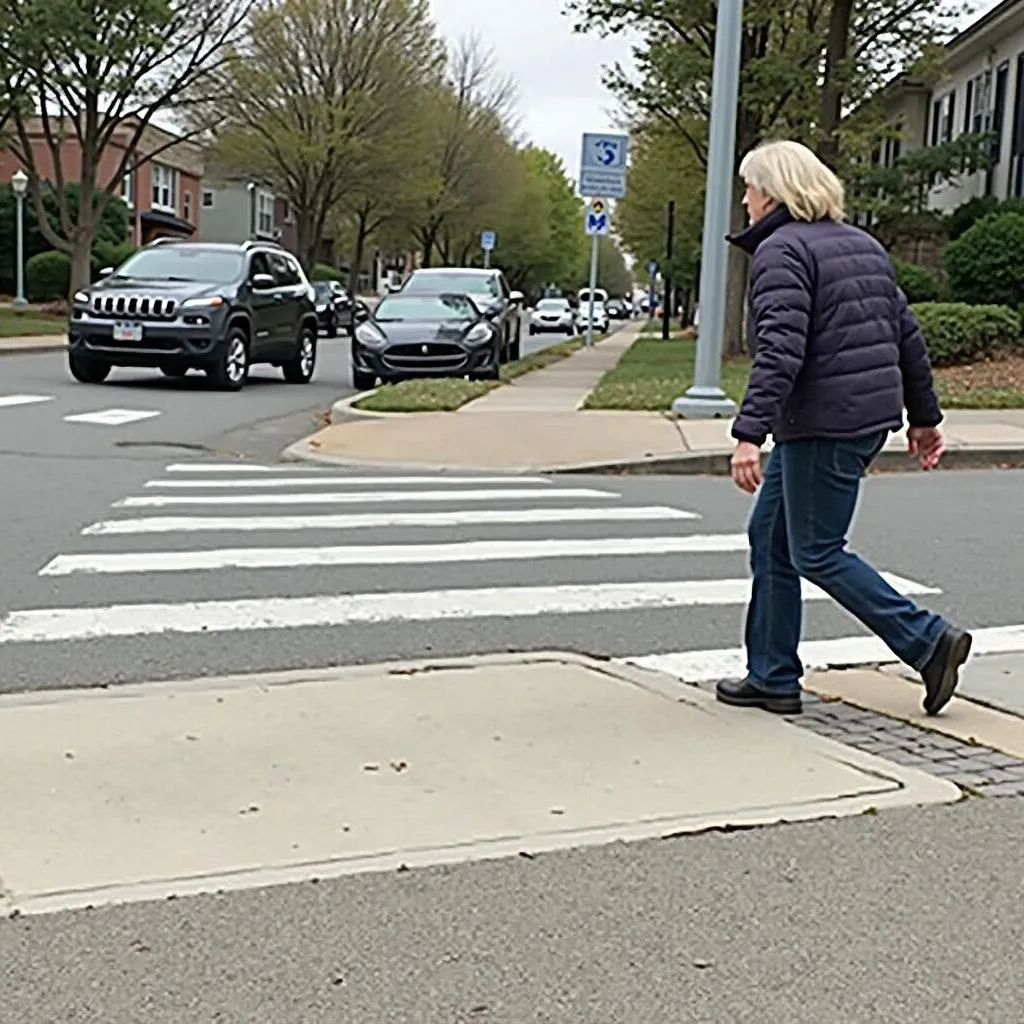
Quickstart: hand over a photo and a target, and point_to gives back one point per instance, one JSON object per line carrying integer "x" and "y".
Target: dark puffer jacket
{"x": 839, "y": 353}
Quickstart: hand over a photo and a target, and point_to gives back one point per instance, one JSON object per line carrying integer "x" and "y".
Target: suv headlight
{"x": 479, "y": 333}
{"x": 367, "y": 334}
{"x": 82, "y": 297}
{"x": 211, "y": 302}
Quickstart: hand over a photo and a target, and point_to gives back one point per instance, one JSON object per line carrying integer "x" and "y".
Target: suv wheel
{"x": 88, "y": 370}
{"x": 231, "y": 364}
{"x": 299, "y": 369}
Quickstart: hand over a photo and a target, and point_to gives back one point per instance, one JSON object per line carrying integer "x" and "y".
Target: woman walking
{"x": 839, "y": 356}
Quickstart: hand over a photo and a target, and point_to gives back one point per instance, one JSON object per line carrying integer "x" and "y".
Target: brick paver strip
{"x": 976, "y": 768}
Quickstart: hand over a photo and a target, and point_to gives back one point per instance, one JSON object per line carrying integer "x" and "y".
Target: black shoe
{"x": 942, "y": 673}
{"x": 743, "y": 694}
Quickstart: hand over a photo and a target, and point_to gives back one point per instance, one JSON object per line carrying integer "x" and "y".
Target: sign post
{"x": 488, "y": 239}
{"x": 596, "y": 224}
{"x": 602, "y": 177}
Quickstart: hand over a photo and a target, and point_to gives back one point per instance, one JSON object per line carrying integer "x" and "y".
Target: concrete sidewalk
{"x": 535, "y": 425}
{"x": 33, "y": 343}
{"x": 143, "y": 792}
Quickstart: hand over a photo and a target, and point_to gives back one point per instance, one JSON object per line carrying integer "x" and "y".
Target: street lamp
{"x": 706, "y": 399}
{"x": 19, "y": 182}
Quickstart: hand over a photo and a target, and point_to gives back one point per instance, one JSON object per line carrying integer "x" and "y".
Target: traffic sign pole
{"x": 706, "y": 399}
{"x": 595, "y": 252}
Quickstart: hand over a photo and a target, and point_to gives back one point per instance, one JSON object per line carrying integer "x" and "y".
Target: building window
{"x": 289, "y": 213}
{"x": 207, "y": 199}
{"x": 186, "y": 206}
{"x": 265, "y": 213}
{"x": 165, "y": 188}
{"x": 948, "y": 113}
{"x": 128, "y": 189}
{"x": 980, "y": 116}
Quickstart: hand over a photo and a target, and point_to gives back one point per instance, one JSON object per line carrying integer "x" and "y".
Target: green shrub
{"x": 985, "y": 265}
{"x": 106, "y": 254}
{"x": 322, "y": 272}
{"x": 47, "y": 276}
{"x": 956, "y": 333}
{"x": 919, "y": 284}
{"x": 965, "y": 216}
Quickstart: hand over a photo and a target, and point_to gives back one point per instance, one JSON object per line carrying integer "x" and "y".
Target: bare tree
{"x": 95, "y": 73}
{"x": 474, "y": 121}
{"x": 319, "y": 86}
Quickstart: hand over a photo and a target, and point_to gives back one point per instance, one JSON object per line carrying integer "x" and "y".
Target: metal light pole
{"x": 706, "y": 399}
{"x": 670, "y": 230}
{"x": 19, "y": 183}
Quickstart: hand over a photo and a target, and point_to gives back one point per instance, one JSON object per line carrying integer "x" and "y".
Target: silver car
{"x": 552, "y": 315}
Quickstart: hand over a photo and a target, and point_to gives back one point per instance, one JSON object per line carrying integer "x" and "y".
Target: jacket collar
{"x": 749, "y": 239}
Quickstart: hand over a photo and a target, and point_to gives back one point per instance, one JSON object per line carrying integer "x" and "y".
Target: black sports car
{"x": 408, "y": 335}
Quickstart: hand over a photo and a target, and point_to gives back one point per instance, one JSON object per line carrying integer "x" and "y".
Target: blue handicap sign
{"x": 487, "y": 240}
{"x": 652, "y": 268}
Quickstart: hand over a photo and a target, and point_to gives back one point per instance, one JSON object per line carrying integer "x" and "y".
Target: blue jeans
{"x": 799, "y": 527}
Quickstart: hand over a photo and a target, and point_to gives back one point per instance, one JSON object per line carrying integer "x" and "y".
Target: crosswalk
{"x": 209, "y": 549}
{"x": 103, "y": 417}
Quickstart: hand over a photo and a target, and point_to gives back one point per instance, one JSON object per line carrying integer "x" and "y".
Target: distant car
{"x": 600, "y": 320}
{"x": 409, "y": 335}
{"x": 489, "y": 291}
{"x": 617, "y": 309}
{"x": 336, "y": 310}
{"x": 552, "y": 315}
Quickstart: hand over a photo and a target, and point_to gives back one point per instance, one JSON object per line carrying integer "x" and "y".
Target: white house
{"x": 982, "y": 91}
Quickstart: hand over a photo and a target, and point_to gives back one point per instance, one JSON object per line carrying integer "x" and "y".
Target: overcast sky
{"x": 558, "y": 72}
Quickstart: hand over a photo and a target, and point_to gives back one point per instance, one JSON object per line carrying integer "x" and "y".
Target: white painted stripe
{"x": 344, "y": 481}
{"x": 233, "y": 467}
{"x": 112, "y": 417}
{"x": 40, "y": 625}
{"x": 6, "y": 401}
{"x": 817, "y": 655}
{"x": 385, "y": 520}
{"x": 391, "y": 554}
{"x": 356, "y": 497}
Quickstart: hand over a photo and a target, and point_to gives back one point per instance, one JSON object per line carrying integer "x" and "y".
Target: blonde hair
{"x": 792, "y": 175}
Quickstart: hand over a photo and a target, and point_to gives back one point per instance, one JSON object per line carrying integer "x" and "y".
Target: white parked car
{"x": 600, "y": 318}
{"x": 553, "y": 315}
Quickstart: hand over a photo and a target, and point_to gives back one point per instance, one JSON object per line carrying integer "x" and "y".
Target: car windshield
{"x": 425, "y": 307}
{"x": 466, "y": 284}
{"x": 323, "y": 289}
{"x": 183, "y": 263}
{"x": 554, "y": 305}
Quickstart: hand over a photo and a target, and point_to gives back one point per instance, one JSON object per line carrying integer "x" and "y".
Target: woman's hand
{"x": 746, "y": 466}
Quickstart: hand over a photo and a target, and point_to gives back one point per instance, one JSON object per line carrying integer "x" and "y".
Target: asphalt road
{"x": 911, "y": 916}
{"x": 342, "y": 592}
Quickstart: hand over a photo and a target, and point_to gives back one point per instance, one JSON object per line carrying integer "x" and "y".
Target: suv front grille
{"x": 141, "y": 307}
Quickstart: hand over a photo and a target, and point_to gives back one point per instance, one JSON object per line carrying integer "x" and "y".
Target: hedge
{"x": 322, "y": 272}
{"x": 919, "y": 284}
{"x": 47, "y": 276}
{"x": 956, "y": 333}
{"x": 985, "y": 265}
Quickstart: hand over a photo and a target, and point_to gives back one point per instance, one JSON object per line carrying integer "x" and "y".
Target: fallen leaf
{"x": 399, "y": 766}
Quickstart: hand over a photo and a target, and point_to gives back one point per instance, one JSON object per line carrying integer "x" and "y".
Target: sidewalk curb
{"x": 718, "y": 463}
{"x": 30, "y": 350}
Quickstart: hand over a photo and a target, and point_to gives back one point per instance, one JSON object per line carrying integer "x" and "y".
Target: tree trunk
{"x": 836, "y": 42}
{"x": 81, "y": 262}
{"x": 358, "y": 250}
{"x": 736, "y": 282}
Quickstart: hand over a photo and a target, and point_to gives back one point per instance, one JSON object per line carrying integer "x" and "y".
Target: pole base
{"x": 704, "y": 404}
{"x": 19, "y": 303}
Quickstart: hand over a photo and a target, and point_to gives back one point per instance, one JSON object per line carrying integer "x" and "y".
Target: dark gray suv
{"x": 177, "y": 305}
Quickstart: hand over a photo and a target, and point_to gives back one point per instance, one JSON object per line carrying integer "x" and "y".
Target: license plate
{"x": 127, "y": 331}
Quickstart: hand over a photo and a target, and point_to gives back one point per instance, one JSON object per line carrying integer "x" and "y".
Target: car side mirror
{"x": 262, "y": 282}
{"x": 106, "y": 271}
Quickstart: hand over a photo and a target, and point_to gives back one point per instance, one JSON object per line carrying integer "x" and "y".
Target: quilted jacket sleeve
{"x": 916, "y": 369}
{"x": 781, "y": 301}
